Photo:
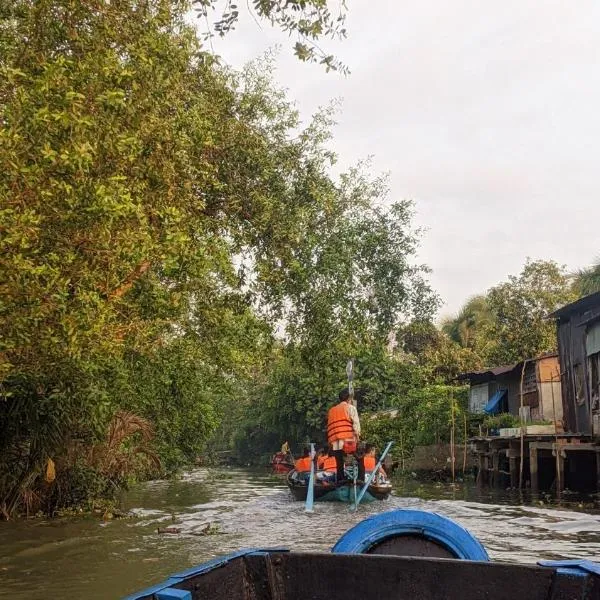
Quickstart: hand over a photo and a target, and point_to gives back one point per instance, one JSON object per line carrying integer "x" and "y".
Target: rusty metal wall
{"x": 577, "y": 407}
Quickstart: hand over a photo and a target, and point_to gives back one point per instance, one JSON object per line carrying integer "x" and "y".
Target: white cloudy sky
{"x": 487, "y": 114}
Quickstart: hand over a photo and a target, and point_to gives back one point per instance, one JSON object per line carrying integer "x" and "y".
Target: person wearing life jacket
{"x": 327, "y": 468}
{"x": 319, "y": 458}
{"x": 343, "y": 430}
{"x": 370, "y": 460}
{"x": 302, "y": 465}
{"x": 328, "y": 463}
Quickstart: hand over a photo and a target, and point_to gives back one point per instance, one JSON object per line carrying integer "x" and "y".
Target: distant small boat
{"x": 401, "y": 554}
{"x": 281, "y": 463}
{"x": 328, "y": 490}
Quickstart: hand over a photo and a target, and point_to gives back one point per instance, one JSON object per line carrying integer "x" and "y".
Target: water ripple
{"x": 88, "y": 558}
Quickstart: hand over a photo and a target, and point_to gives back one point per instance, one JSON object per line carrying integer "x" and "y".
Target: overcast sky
{"x": 485, "y": 113}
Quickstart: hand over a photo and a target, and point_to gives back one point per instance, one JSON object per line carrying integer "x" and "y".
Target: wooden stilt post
{"x": 514, "y": 473}
{"x": 465, "y": 447}
{"x": 452, "y": 431}
{"x": 597, "y": 471}
{"x": 480, "y": 468}
{"x": 533, "y": 467}
{"x": 523, "y": 425}
{"x": 495, "y": 468}
{"x": 560, "y": 471}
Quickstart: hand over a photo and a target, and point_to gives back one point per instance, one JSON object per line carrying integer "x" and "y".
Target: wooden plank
{"x": 227, "y": 581}
{"x": 495, "y": 469}
{"x": 542, "y": 445}
{"x": 548, "y": 368}
{"x": 514, "y": 472}
{"x": 580, "y": 447}
{"x": 256, "y": 577}
{"x": 481, "y": 470}
{"x": 533, "y": 467}
{"x": 371, "y": 577}
{"x": 560, "y": 472}
{"x": 300, "y": 576}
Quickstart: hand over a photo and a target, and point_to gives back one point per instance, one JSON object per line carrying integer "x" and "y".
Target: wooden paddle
{"x": 310, "y": 494}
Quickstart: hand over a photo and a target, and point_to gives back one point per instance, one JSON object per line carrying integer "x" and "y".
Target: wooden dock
{"x": 550, "y": 462}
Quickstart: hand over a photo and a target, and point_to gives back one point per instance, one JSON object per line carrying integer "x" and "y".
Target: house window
{"x": 478, "y": 398}
{"x": 530, "y": 379}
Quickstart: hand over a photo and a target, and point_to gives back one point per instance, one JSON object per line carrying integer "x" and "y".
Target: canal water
{"x": 94, "y": 559}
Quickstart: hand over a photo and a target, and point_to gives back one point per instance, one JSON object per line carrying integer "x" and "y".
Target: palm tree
{"x": 472, "y": 319}
{"x": 587, "y": 281}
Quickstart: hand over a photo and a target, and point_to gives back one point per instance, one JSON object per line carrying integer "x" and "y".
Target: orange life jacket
{"x": 303, "y": 464}
{"x": 370, "y": 463}
{"x": 329, "y": 464}
{"x": 339, "y": 423}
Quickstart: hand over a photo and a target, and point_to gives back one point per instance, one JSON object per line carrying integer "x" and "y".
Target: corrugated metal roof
{"x": 494, "y": 371}
{"x": 502, "y": 369}
{"x": 581, "y": 305}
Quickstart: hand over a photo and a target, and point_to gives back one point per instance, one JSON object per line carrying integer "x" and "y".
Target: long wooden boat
{"x": 331, "y": 491}
{"x": 398, "y": 555}
{"x": 281, "y": 464}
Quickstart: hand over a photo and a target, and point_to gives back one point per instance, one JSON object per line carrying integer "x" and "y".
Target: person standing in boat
{"x": 285, "y": 450}
{"x": 343, "y": 432}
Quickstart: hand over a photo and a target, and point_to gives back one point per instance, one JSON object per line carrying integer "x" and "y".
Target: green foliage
{"x": 587, "y": 281}
{"x": 175, "y": 393}
{"x": 422, "y": 417}
{"x": 510, "y": 322}
{"x": 161, "y": 217}
{"x": 379, "y": 429}
{"x": 521, "y": 306}
{"x": 470, "y": 328}
{"x": 501, "y": 421}
{"x": 292, "y": 403}
{"x": 307, "y": 20}
{"x": 440, "y": 358}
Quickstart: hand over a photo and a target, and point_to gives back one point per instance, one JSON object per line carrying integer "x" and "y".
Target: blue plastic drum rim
{"x": 431, "y": 526}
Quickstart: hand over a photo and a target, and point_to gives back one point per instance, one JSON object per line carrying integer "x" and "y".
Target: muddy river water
{"x": 90, "y": 558}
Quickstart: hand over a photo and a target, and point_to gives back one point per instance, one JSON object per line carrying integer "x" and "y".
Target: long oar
{"x": 310, "y": 494}
{"x": 372, "y": 475}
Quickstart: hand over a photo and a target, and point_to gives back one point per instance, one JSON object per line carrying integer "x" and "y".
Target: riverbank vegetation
{"x": 181, "y": 273}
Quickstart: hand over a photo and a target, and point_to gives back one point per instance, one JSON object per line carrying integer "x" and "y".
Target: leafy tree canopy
{"x": 521, "y": 306}
{"x": 161, "y": 217}
{"x": 305, "y": 20}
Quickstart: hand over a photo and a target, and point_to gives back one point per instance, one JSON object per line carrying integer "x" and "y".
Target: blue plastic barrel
{"x": 440, "y": 531}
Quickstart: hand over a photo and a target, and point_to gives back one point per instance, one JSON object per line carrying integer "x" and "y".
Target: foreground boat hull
{"x": 396, "y": 555}
{"x": 268, "y": 575}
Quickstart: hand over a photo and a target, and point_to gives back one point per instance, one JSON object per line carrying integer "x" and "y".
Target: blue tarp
{"x": 495, "y": 402}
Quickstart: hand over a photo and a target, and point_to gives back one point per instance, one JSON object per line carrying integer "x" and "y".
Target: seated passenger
{"x": 302, "y": 465}
{"x": 370, "y": 461}
{"x": 327, "y": 469}
{"x": 328, "y": 463}
{"x": 321, "y": 455}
